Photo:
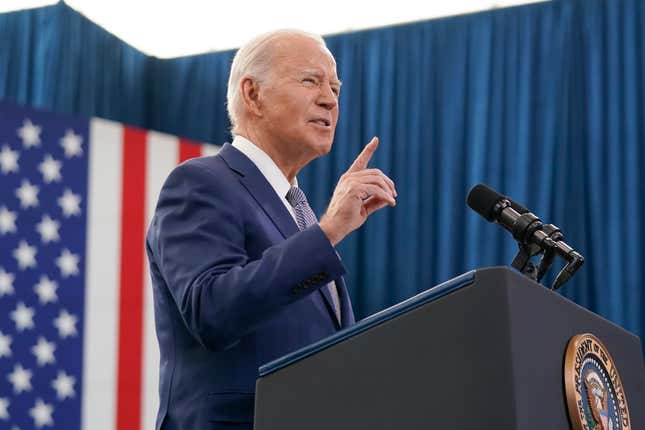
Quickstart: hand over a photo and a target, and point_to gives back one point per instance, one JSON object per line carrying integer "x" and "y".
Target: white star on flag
{"x": 50, "y": 169}
{"x": 6, "y": 282}
{"x": 42, "y": 414}
{"x": 27, "y": 194}
{"x": 8, "y": 160}
{"x": 44, "y": 351}
{"x": 7, "y": 221}
{"x": 64, "y": 386}
{"x": 70, "y": 203}
{"x": 5, "y": 345}
{"x": 22, "y": 316}
{"x": 67, "y": 263}
{"x": 71, "y": 143}
{"x": 25, "y": 254}
{"x": 66, "y": 324}
{"x": 30, "y": 134}
{"x": 46, "y": 290}
{"x": 48, "y": 229}
{"x": 4, "y": 408}
{"x": 20, "y": 378}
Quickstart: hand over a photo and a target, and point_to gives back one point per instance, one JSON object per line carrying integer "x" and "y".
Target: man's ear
{"x": 251, "y": 95}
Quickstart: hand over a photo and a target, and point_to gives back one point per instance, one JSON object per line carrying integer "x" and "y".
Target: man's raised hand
{"x": 359, "y": 193}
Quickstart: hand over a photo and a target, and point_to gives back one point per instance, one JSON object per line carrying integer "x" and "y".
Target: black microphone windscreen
{"x": 518, "y": 207}
{"x": 482, "y": 199}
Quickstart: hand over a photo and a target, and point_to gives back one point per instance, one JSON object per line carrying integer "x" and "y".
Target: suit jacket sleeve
{"x": 197, "y": 242}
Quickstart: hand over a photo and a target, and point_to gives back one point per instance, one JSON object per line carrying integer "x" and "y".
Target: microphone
{"x": 497, "y": 208}
{"x": 527, "y": 229}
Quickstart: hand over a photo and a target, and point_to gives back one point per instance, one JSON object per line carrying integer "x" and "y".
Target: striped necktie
{"x": 305, "y": 217}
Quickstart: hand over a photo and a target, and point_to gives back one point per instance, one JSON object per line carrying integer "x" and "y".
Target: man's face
{"x": 299, "y": 100}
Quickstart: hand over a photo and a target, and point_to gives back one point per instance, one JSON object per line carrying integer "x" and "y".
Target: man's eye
{"x": 309, "y": 80}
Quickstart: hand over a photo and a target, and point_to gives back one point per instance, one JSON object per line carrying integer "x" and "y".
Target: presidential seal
{"x": 595, "y": 396}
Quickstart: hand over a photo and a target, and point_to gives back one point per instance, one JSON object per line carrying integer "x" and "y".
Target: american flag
{"x": 77, "y": 342}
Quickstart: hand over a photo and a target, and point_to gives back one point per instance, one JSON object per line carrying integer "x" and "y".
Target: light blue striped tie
{"x": 305, "y": 217}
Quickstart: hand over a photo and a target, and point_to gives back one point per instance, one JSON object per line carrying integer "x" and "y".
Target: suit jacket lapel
{"x": 260, "y": 189}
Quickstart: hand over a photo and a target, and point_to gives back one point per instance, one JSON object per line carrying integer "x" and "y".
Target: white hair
{"x": 254, "y": 60}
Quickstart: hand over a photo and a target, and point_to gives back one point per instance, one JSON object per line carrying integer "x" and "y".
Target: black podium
{"x": 482, "y": 351}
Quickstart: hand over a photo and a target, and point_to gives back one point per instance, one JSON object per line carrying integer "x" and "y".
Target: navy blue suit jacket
{"x": 236, "y": 284}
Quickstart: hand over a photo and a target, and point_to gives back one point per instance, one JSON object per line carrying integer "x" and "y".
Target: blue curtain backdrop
{"x": 54, "y": 58}
{"x": 543, "y": 102}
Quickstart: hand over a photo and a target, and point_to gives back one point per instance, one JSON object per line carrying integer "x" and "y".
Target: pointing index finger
{"x": 364, "y": 157}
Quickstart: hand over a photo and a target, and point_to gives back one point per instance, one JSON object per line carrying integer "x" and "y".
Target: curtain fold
{"x": 543, "y": 102}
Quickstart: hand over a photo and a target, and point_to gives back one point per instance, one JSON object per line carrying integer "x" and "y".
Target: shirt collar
{"x": 265, "y": 165}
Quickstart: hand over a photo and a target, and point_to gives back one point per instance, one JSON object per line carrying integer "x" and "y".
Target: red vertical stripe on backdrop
{"x": 133, "y": 194}
{"x": 188, "y": 150}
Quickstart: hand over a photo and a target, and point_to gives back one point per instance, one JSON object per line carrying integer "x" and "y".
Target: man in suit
{"x": 242, "y": 271}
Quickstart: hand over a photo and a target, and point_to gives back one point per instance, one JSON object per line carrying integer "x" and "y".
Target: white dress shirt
{"x": 268, "y": 168}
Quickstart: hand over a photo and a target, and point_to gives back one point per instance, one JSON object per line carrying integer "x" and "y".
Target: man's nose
{"x": 327, "y": 98}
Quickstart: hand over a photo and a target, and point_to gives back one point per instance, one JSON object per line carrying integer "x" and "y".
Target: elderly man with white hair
{"x": 242, "y": 270}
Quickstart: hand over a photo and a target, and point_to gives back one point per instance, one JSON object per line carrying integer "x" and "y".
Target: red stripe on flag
{"x": 128, "y": 402}
{"x": 188, "y": 150}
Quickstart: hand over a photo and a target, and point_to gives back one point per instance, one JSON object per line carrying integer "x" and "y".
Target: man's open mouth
{"x": 321, "y": 121}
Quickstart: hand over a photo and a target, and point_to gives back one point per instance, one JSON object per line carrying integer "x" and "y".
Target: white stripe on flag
{"x": 208, "y": 149}
{"x": 102, "y": 275}
{"x": 163, "y": 155}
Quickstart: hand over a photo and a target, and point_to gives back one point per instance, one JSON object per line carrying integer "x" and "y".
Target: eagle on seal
{"x": 597, "y": 400}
